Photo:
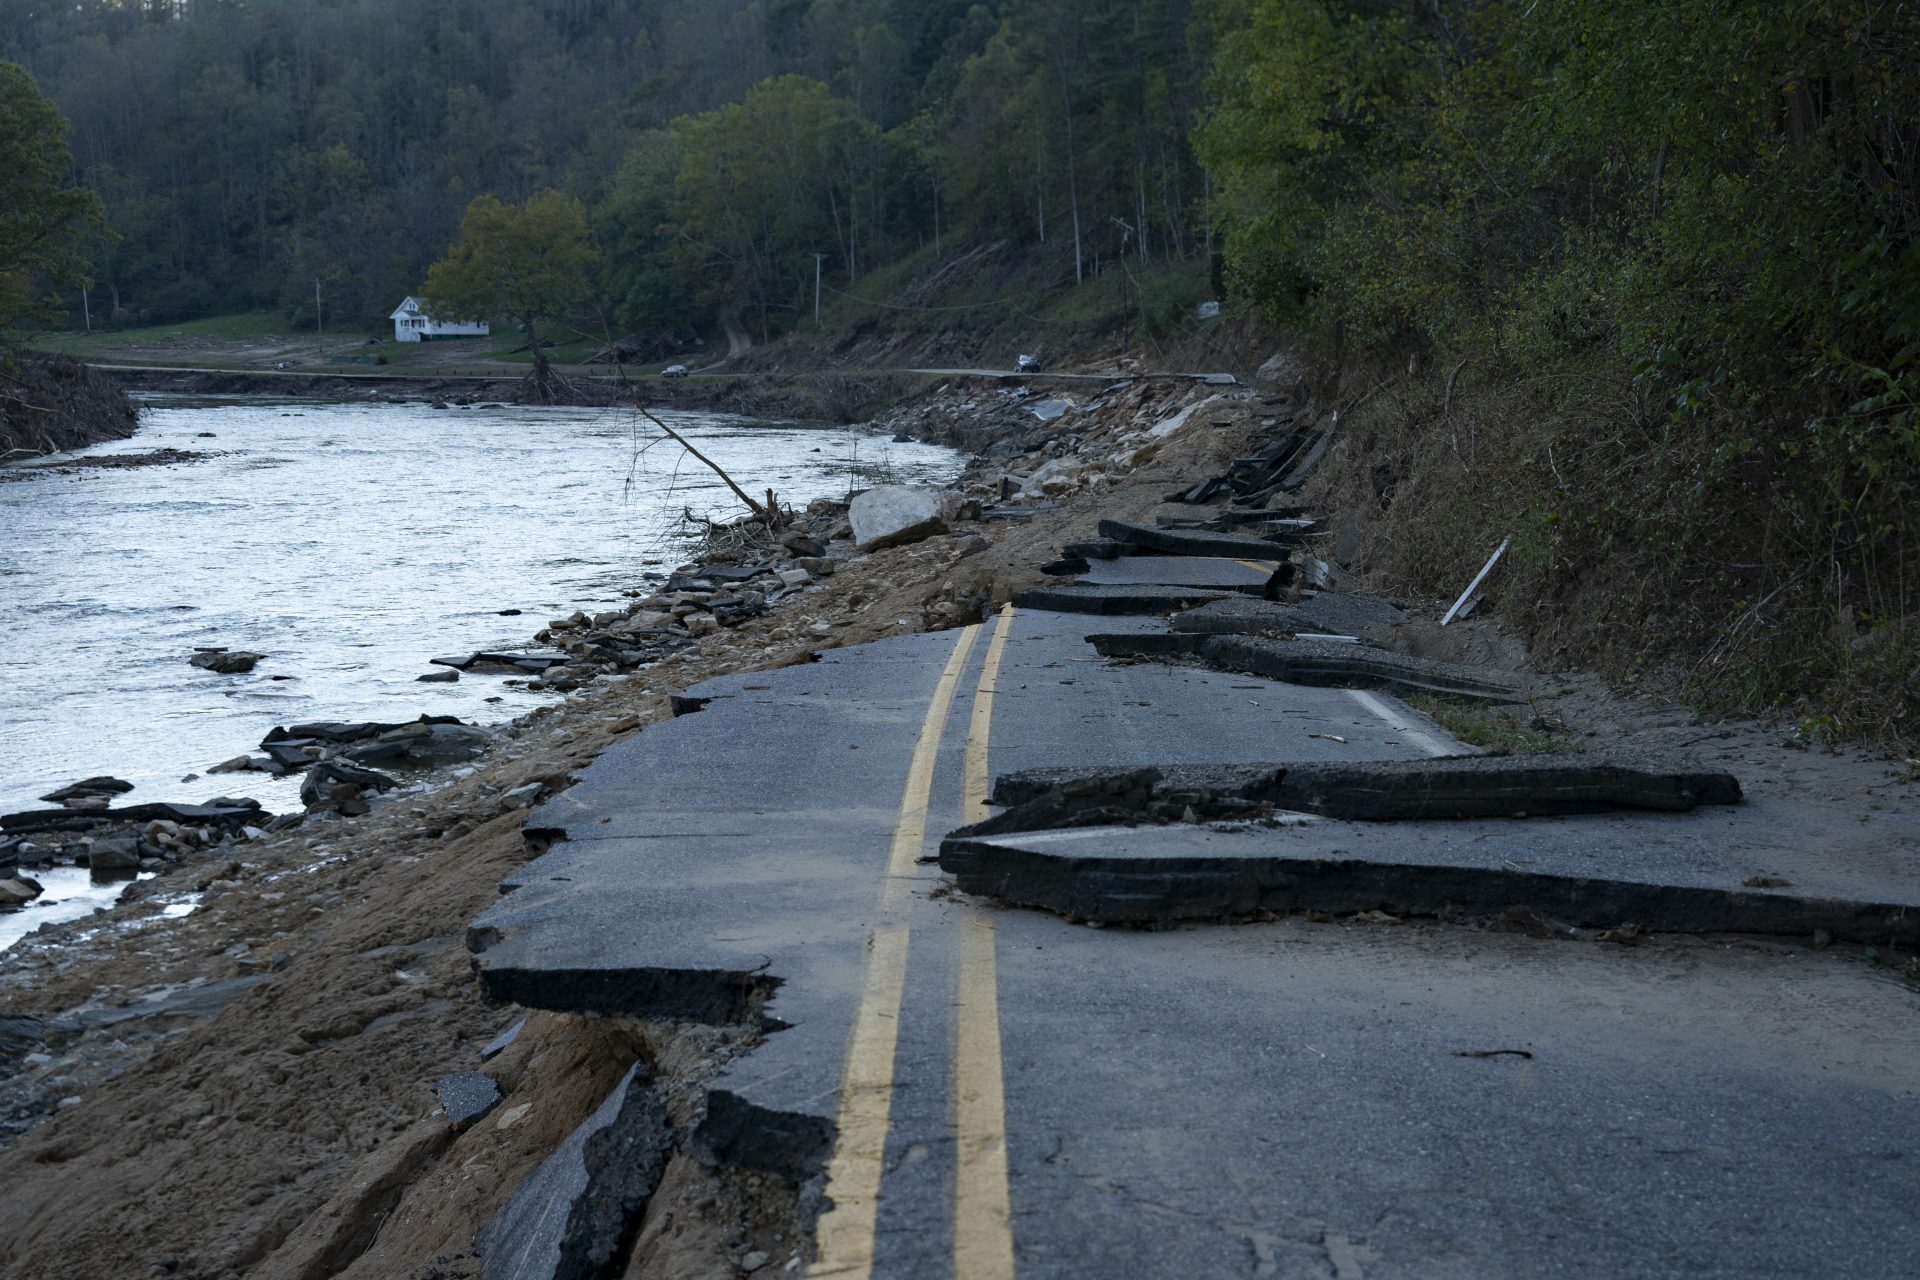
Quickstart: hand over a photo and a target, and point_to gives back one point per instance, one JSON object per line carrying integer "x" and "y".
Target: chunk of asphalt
{"x": 1218, "y": 573}
{"x": 1367, "y": 791}
{"x": 1065, "y": 567}
{"x": 575, "y": 1215}
{"x": 1117, "y": 601}
{"x": 498, "y": 1045}
{"x": 1599, "y": 872}
{"x": 466, "y": 1096}
{"x": 1195, "y": 542}
{"x": 1282, "y": 520}
{"x": 1318, "y": 662}
{"x": 1336, "y": 612}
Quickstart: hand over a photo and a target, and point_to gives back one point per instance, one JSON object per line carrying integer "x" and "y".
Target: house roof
{"x": 409, "y": 306}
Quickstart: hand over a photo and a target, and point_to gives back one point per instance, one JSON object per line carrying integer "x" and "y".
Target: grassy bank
{"x": 1746, "y": 575}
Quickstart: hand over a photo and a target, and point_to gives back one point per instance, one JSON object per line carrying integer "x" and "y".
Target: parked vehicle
{"x": 1029, "y": 364}
{"x": 674, "y": 371}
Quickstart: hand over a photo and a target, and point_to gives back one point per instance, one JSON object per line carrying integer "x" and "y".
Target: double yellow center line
{"x": 983, "y": 1240}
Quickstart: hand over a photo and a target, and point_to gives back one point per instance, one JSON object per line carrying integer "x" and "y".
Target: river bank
{"x": 52, "y": 403}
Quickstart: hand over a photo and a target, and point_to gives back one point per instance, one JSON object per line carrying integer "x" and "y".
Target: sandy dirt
{"x": 286, "y": 1124}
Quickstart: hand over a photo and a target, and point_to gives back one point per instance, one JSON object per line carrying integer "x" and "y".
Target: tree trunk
{"x": 540, "y": 380}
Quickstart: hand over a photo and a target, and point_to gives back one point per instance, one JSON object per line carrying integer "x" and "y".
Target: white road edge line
{"x": 1404, "y": 725}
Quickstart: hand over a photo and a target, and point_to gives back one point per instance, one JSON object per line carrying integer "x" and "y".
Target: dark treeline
{"x": 244, "y": 148}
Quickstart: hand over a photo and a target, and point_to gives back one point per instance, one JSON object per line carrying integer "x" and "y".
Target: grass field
{"x": 252, "y": 328}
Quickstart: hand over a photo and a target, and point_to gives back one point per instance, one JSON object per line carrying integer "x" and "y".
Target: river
{"x": 349, "y": 543}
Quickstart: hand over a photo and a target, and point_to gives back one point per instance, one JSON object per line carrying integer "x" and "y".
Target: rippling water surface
{"x": 350, "y": 544}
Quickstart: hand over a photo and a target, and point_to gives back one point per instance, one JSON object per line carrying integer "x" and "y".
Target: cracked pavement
{"x": 984, "y": 1091}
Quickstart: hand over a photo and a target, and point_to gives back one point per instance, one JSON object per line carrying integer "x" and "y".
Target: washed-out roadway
{"x": 991, "y": 1092}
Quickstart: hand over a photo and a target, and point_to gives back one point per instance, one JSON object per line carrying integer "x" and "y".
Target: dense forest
{"x": 1636, "y": 279}
{"x": 244, "y": 150}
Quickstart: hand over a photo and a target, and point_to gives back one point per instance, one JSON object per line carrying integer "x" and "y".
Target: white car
{"x": 1028, "y": 364}
{"x": 674, "y": 371}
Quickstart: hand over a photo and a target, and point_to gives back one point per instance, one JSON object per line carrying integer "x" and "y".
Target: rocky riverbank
{"x": 52, "y": 403}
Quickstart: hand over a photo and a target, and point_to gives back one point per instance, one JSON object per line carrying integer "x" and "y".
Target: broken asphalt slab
{"x": 1588, "y": 871}
{"x": 1238, "y": 576}
{"x": 1198, "y": 542}
{"x": 1116, "y": 601}
{"x": 1471, "y": 786}
{"x": 1326, "y": 612}
{"x": 574, "y": 1215}
{"x": 1317, "y": 662}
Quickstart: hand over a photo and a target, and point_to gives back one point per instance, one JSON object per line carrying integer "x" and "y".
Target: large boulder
{"x": 336, "y": 785}
{"x": 18, "y": 892}
{"x": 88, "y": 789}
{"x": 226, "y": 662}
{"x": 891, "y": 514}
{"x": 121, "y": 853}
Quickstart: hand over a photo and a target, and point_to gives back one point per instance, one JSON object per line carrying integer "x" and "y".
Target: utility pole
{"x": 818, "y": 258}
{"x": 86, "y": 308}
{"x": 320, "y": 332}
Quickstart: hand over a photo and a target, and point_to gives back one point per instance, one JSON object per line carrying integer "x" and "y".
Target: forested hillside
{"x": 1634, "y": 280}
{"x": 244, "y": 149}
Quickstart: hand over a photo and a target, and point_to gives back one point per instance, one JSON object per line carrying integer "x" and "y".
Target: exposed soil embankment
{"x": 51, "y": 403}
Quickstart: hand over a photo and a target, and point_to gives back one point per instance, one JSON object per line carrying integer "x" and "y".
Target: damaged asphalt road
{"x": 974, "y": 1091}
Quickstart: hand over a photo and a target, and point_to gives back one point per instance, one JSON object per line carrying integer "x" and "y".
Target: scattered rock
{"x": 467, "y": 1096}
{"x": 20, "y": 1034}
{"x": 118, "y": 854}
{"x": 892, "y": 514}
{"x": 498, "y": 1045}
{"x": 333, "y": 784}
{"x": 96, "y": 788}
{"x": 523, "y": 797}
{"x": 226, "y": 662}
{"x": 439, "y": 677}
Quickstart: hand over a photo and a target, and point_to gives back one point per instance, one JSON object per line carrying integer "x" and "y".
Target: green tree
{"x": 767, "y": 183}
{"x": 41, "y": 218}
{"x": 527, "y": 262}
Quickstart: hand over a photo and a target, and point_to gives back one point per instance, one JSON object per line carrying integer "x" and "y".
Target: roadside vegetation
{"x": 1633, "y": 284}
{"x": 1499, "y": 730}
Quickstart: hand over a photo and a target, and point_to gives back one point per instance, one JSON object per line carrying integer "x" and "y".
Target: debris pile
{"x": 115, "y": 844}
{"x": 1035, "y": 445}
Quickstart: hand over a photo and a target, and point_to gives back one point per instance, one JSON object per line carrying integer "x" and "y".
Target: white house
{"x": 411, "y": 324}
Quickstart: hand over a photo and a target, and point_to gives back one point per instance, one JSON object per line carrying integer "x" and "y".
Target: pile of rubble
{"x": 746, "y": 571}
{"x": 114, "y": 844}
{"x": 1035, "y": 445}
